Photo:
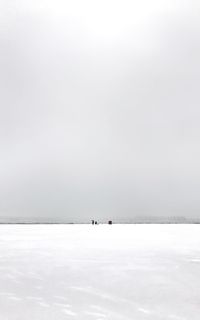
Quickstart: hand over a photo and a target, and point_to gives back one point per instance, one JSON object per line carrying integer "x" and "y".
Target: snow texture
{"x": 118, "y": 272}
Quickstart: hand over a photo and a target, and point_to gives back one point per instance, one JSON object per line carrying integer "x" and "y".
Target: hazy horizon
{"x": 99, "y": 109}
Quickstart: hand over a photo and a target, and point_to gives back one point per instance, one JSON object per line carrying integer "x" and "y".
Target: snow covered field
{"x": 118, "y": 272}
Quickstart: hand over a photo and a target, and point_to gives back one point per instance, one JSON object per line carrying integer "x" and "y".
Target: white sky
{"x": 99, "y": 108}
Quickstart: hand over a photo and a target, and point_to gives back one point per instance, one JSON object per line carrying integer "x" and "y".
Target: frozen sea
{"x": 118, "y": 272}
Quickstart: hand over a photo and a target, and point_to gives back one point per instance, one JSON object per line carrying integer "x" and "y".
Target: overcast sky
{"x": 99, "y": 108}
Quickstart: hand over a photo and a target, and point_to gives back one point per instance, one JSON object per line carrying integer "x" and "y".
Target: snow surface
{"x": 118, "y": 272}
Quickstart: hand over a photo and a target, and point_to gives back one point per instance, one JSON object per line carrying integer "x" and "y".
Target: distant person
{"x": 110, "y": 222}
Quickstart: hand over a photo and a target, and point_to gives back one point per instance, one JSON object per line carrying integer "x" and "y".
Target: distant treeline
{"x": 135, "y": 220}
